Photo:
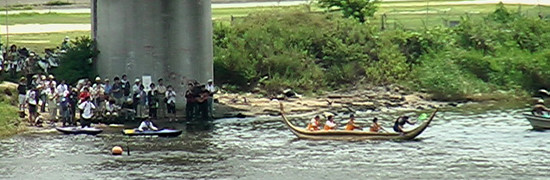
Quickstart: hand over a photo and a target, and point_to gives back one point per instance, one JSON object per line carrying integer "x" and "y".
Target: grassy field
{"x": 408, "y": 15}
{"x": 37, "y": 42}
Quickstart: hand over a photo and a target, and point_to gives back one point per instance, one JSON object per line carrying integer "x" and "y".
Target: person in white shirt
{"x": 147, "y": 125}
{"x": 87, "y": 108}
{"x": 171, "y": 101}
{"x": 330, "y": 124}
{"x": 212, "y": 90}
{"x": 52, "y": 95}
{"x": 32, "y": 102}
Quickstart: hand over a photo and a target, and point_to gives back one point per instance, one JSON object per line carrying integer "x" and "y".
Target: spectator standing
{"x": 161, "y": 89}
{"x": 211, "y": 91}
{"x": 22, "y": 93}
{"x": 153, "y": 101}
{"x": 171, "y": 101}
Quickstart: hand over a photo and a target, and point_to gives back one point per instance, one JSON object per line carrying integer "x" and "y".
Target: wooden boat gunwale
{"x": 536, "y": 121}
{"x": 355, "y": 135}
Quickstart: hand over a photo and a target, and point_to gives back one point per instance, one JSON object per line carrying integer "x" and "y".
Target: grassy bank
{"x": 9, "y": 121}
{"x": 499, "y": 55}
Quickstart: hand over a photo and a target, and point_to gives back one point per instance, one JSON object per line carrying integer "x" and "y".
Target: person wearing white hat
{"x": 539, "y": 109}
{"x": 212, "y": 90}
{"x": 65, "y": 45}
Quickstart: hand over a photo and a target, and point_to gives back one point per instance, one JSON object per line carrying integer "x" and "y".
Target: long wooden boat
{"x": 538, "y": 122}
{"x": 355, "y": 135}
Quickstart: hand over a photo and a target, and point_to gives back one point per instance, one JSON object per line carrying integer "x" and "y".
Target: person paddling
{"x": 539, "y": 109}
{"x": 375, "y": 127}
{"x": 400, "y": 122}
{"x": 147, "y": 125}
{"x": 350, "y": 126}
{"x": 313, "y": 125}
{"x": 330, "y": 124}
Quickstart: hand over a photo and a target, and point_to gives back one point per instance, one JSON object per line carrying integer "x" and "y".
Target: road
{"x": 44, "y": 28}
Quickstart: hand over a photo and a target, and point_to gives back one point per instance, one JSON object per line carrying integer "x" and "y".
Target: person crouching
{"x": 147, "y": 125}
{"x": 87, "y": 108}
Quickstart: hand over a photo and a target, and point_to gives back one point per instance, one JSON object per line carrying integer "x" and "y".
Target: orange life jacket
{"x": 374, "y": 128}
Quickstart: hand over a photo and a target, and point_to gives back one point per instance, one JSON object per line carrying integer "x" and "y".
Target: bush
{"x": 78, "y": 61}
{"x": 58, "y": 3}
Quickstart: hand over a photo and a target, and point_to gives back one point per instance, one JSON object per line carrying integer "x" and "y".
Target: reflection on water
{"x": 495, "y": 144}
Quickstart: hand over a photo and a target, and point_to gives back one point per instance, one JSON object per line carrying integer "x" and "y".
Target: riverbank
{"x": 10, "y": 123}
{"x": 383, "y": 99}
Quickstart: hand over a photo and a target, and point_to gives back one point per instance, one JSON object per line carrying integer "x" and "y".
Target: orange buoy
{"x": 117, "y": 150}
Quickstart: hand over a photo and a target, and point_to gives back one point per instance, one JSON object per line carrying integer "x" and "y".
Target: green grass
{"x": 38, "y": 41}
{"x": 398, "y": 16}
{"x": 46, "y": 18}
{"x": 10, "y": 123}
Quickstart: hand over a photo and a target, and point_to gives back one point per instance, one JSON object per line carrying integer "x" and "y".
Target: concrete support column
{"x": 169, "y": 39}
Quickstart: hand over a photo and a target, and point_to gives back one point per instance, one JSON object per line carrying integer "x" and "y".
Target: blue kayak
{"x": 162, "y": 132}
{"x": 79, "y": 130}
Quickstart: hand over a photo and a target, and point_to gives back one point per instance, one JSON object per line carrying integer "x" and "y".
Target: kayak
{"x": 79, "y": 130}
{"x": 162, "y": 132}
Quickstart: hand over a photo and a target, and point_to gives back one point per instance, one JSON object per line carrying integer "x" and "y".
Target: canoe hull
{"x": 78, "y": 130}
{"x": 161, "y": 133}
{"x": 355, "y": 135}
{"x": 537, "y": 122}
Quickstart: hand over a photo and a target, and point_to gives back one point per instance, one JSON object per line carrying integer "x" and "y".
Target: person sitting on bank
{"x": 375, "y": 127}
{"x": 313, "y": 125}
{"x": 111, "y": 109}
{"x": 330, "y": 124}
{"x": 350, "y": 126}
{"x": 400, "y": 122}
{"x": 539, "y": 109}
{"x": 147, "y": 125}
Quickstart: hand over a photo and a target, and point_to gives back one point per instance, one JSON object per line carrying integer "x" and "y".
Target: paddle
{"x": 422, "y": 117}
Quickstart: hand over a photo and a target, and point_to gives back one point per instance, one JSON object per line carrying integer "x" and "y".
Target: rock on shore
{"x": 381, "y": 99}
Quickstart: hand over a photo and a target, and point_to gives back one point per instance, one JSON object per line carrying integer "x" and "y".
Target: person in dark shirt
{"x": 22, "y": 92}
{"x": 153, "y": 101}
{"x": 117, "y": 91}
{"x": 400, "y": 122}
{"x": 190, "y": 103}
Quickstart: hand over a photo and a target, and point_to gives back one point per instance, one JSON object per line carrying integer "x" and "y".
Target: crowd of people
{"x": 20, "y": 60}
{"x": 101, "y": 99}
{"x": 330, "y": 124}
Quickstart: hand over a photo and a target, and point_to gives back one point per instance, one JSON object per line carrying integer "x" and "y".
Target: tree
{"x": 77, "y": 62}
{"x": 357, "y": 9}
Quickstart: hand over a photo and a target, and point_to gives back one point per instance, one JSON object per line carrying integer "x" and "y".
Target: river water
{"x": 495, "y": 144}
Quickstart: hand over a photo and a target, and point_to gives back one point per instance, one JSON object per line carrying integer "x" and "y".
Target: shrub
{"x": 78, "y": 62}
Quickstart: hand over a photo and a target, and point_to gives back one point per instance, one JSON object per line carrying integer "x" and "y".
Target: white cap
{"x": 137, "y": 80}
{"x": 540, "y": 101}
{"x": 210, "y": 80}
{"x": 98, "y": 78}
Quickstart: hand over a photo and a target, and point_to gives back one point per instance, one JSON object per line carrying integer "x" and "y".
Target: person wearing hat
{"x": 400, "y": 122}
{"x": 539, "y": 109}
{"x": 330, "y": 124}
{"x": 350, "y": 126}
{"x": 212, "y": 90}
{"x": 22, "y": 92}
{"x": 65, "y": 45}
{"x": 314, "y": 124}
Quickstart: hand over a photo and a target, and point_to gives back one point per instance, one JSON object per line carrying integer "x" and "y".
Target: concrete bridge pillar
{"x": 169, "y": 39}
